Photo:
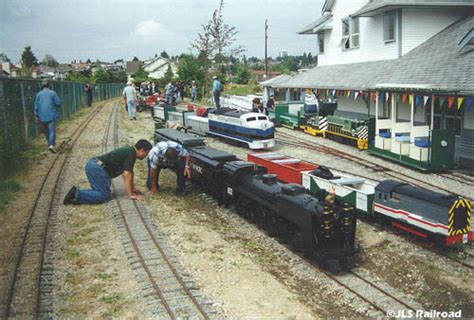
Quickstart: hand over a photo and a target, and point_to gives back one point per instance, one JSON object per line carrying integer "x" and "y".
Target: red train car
{"x": 286, "y": 168}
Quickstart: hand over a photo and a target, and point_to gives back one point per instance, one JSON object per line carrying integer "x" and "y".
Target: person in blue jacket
{"x": 46, "y": 113}
{"x": 216, "y": 90}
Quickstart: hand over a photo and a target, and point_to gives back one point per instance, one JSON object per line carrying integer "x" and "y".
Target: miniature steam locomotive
{"x": 323, "y": 230}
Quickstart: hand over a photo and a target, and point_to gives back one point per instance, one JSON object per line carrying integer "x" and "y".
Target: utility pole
{"x": 266, "y": 59}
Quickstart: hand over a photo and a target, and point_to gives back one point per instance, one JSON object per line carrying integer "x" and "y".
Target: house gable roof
{"x": 132, "y": 67}
{"x": 317, "y": 25}
{"x": 377, "y": 7}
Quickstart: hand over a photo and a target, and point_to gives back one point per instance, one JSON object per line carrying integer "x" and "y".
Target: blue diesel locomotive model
{"x": 323, "y": 231}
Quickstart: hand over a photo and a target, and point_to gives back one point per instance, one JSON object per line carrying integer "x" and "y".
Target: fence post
{"x": 23, "y": 106}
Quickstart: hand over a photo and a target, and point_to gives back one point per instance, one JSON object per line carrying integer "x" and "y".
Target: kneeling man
{"x": 168, "y": 155}
{"x": 102, "y": 169}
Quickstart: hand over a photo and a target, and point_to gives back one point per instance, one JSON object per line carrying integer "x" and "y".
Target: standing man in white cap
{"x": 216, "y": 90}
{"x": 46, "y": 113}
{"x": 130, "y": 97}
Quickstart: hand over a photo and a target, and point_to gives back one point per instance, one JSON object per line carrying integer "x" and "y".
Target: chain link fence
{"x": 17, "y": 121}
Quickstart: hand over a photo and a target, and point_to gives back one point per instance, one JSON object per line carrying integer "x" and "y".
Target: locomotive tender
{"x": 325, "y": 232}
{"x": 446, "y": 219}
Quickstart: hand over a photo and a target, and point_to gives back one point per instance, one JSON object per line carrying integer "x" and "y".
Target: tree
{"x": 50, "y": 61}
{"x": 168, "y": 77}
{"x": 243, "y": 74}
{"x": 141, "y": 75}
{"x": 165, "y": 55}
{"x": 75, "y": 76}
{"x": 28, "y": 59}
{"x": 100, "y": 75}
{"x": 135, "y": 59}
{"x": 4, "y": 58}
{"x": 191, "y": 68}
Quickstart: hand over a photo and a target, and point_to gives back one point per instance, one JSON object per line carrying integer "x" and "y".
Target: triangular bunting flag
{"x": 450, "y": 102}
{"x": 425, "y": 100}
{"x": 404, "y": 98}
{"x": 356, "y": 95}
{"x": 460, "y": 100}
{"x": 468, "y": 103}
{"x": 387, "y": 96}
{"x": 410, "y": 99}
{"x": 442, "y": 101}
{"x": 417, "y": 100}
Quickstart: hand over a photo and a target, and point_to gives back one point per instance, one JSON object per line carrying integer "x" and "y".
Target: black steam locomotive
{"x": 324, "y": 231}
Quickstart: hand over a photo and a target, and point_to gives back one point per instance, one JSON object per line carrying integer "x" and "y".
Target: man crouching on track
{"x": 168, "y": 155}
{"x": 102, "y": 169}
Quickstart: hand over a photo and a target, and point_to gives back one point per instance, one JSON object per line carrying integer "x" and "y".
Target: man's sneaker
{"x": 134, "y": 118}
{"x": 70, "y": 196}
{"x": 52, "y": 149}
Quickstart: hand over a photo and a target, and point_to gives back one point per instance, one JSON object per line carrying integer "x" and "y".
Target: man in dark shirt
{"x": 102, "y": 169}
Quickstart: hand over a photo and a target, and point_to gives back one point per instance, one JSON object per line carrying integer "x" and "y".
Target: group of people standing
{"x": 174, "y": 91}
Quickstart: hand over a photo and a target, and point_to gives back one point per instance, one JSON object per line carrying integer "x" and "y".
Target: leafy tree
{"x": 117, "y": 76}
{"x": 280, "y": 68}
{"x": 243, "y": 74}
{"x": 100, "y": 75}
{"x": 168, "y": 77}
{"x": 165, "y": 55}
{"x": 88, "y": 61}
{"x": 28, "y": 59}
{"x": 4, "y": 58}
{"x": 50, "y": 61}
{"x": 141, "y": 75}
{"x": 76, "y": 77}
{"x": 191, "y": 68}
{"x": 135, "y": 59}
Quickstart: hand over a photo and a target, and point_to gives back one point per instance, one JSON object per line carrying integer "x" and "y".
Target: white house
{"x": 157, "y": 67}
{"x": 405, "y": 51}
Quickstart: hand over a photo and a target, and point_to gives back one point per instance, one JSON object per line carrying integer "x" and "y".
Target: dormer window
{"x": 389, "y": 27}
{"x": 350, "y": 33}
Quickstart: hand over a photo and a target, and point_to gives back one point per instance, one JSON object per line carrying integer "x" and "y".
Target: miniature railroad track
{"x": 169, "y": 291}
{"x": 29, "y": 291}
{"x": 295, "y": 141}
{"x": 467, "y": 180}
{"x": 378, "y": 298}
{"x": 466, "y": 261}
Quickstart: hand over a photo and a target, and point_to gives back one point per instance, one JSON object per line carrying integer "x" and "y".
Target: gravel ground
{"x": 246, "y": 273}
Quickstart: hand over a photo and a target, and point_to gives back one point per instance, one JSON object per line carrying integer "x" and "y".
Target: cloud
{"x": 147, "y": 29}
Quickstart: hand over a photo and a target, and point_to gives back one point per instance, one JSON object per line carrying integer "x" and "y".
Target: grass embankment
{"x": 7, "y": 189}
{"x": 242, "y": 89}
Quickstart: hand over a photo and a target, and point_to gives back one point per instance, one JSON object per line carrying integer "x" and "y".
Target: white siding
{"x": 418, "y": 25}
{"x": 333, "y": 53}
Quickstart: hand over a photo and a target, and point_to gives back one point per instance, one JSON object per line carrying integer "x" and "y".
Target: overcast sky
{"x": 114, "y": 29}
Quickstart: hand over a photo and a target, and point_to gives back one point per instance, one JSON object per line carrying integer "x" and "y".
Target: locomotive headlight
{"x": 444, "y": 143}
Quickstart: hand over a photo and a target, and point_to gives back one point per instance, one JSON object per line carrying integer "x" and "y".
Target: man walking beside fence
{"x": 130, "y": 97}
{"x": 46, "y": 103}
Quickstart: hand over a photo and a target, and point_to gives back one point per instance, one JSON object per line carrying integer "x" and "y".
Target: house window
{"x": 350, "y": 33}
{"x": 321, "y": 42}
{"x": 389, "y": 27}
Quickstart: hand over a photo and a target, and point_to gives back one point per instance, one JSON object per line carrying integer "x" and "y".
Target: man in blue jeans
{"x": 46, "y": 113}
{"x": 216, "y": 90}
{"x": 102, "y": 169}
{"x": 168, "y": 155}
